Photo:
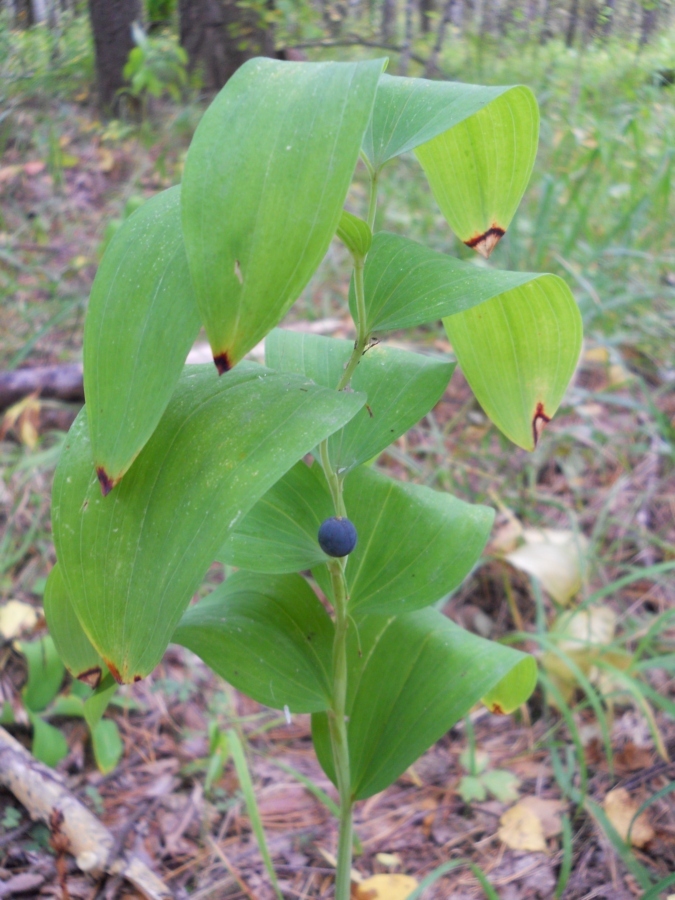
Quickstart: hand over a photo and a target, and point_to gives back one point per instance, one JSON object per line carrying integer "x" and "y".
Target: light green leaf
{"x": 265, "y": 180}
{"x": 479, "y": 169}
{"x": 141, "y": 321}
{"x": 415, "y": 544}
{"x": 96, "y": 705}
{"x": 268, "y": 635}
{"x": 49, "y": 744}
{"x": 507, "y": 695}
{"x": 132, "y": 560}
{"x": 279, "y": 535}
{"x": 414, "y": 678}
{"x": 72, "y": 644}
{"x": 407, "y": 284}
{"x": 107, "y": 745}
{"x": 502, "y": 784}
{"x": 471, "y": 788}
{"x": 412, "y": 111}
{"x": 401, "y": 388}
{"x": 45, "y": 673}
{"x": 518, "y": 352}
{"x": 355, "y": 234}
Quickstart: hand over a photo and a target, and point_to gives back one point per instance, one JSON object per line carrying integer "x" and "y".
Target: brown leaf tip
{"x": 114, "y": 671}
{"x": 485, "y": 243}
{"x": 497, "y": 709}
{"x": 91, "y": 677}
{"x": 539, "y": 420}
{"x": 137, "y": 678}
{"x": 106, "y": 482}
{"x": 223, "y": 364}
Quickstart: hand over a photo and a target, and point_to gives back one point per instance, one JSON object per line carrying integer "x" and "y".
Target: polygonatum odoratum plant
{"x": 337, "y": 566}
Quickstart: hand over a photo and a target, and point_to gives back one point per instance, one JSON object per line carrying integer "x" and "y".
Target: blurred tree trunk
{"x": 388, "y": 29}
{"x": 23, "y": 13}
{"x": 404, "y": 61}
{"x": 220, "y": 35}
{"x": 426, "y": 10}
{"x": 650, "y": 12}
{"x": 432, "y": 63}
{"x": 111, "y": 22}
{"x": 607, "y": 15}
{"x": 572, "y": 23}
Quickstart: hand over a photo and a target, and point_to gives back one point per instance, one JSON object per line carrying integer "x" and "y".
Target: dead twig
{"x": 45, "y": 797}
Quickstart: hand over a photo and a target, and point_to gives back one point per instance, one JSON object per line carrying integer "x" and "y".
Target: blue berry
{"x": 337, "y": 537}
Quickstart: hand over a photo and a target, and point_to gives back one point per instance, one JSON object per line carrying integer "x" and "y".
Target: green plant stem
{"x": 338, "y": 731}
{"x": 363, "y": 336}
{"x": 372, "y": 201}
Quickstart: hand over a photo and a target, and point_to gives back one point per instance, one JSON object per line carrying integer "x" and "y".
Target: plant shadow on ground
{"x": 597, "y": 213}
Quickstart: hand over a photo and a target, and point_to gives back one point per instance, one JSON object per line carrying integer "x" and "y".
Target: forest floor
{"x": 604, "y": 469}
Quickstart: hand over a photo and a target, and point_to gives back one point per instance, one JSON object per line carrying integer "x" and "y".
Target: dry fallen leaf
{"x": 16, "y": 618}
{"x": 34, "y": 168}
{"x": 620, "y": 809}
{"x": 24, "y": 418}
{"x": 385, "y": 887}
{"x": 521, "y": 829}
{"x": 388, "y": 860}
{"x": 548, "y": 812}
{"x": 554, "y": 557}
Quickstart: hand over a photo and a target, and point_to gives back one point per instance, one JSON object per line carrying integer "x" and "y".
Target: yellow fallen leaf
{"x": 24, "y": 418}
{"x": 386, "y": 887}
{"x": 620, "y": 809}
{"x": 388, "y": 860}
{"x": 16, "y": 618}
{"x": 554, "y": 557}
{"x": 596, "y": 355}
{"x": 548, "y": 812}
{"x": 106, "y": 160}
{"x": 521, "y": 829}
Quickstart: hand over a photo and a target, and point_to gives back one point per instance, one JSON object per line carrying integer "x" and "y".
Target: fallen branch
{"x": 43, "y": 794}
{"x": 57, "y": 382}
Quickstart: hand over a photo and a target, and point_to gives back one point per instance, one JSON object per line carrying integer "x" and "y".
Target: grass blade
{"x": 244, "y": 776}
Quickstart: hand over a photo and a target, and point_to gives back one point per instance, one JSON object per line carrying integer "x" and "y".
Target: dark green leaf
{"x": 401, "y": 388}
{"x": 415, "y": 544}
{"x": 72, "y": 644}
{"x": 407, "y": 284}
{"x": 265, "y": 180}
{"x": 279, "y": 535}
{"x": 268, "y": 635}
{"x": 415, "y": 677}
{"x": 141, "y": 321}
{"x": 132, "y": 560}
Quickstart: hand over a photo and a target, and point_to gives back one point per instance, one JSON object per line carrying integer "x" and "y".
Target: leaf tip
{"x": 106, "y": 482}
{"x": 486, "y": 242}
{"x": 539, "y": 421}
{"x": 114, "y": 671}
{"x": 222, "y": 362}
{"x": 91, "y": 677}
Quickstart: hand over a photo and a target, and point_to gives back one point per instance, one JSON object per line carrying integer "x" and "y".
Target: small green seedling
{"x": 481, "y": 780}
{"x": 169, "y": 468}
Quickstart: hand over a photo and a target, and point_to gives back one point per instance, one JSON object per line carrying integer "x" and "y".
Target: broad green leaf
{"x": 518, "y": 352}
{"x": 412, "y": 111}
{"x": 401, "y": 387}
{"x": 265, "y": 180}
{"x": 407, "y": 284}
{"x": 279, "y": 535}
{"x": 415, "y": 544}
{"x": 107, "y": 745}
{"x": 355, "y": 234}
{"x": 268, "y": 635}
{"x": 45, "y": 673}
{"x": 49, "y": 744}
{"x": 415, "y": 677}
{"x": 478, "y": 170}
{"x": 72, "y": 644}
{"x": 141, "y": 321}
{"x": 131, "y": 561}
